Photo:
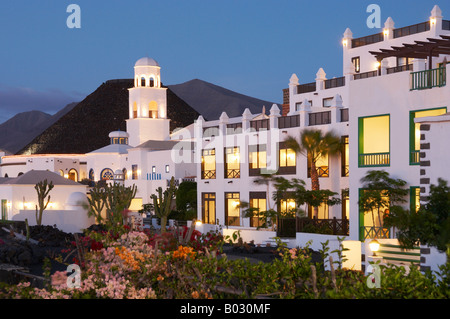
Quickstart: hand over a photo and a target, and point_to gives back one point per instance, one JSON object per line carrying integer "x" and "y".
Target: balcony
{"x": 412, "y": 29}
{"x": 365, "y": 75}
{"x": 400, "y": 68}
{"x": 260, "y": 125}
{"x": 414, "y": 157}
{"x": 374, "y": 38}
{"x": 232, "y": 173}
{"x": 208, "y": 174}
{"x": 288, "y": 121}
{"x": 428, "y": 79}
{"x": 305, "y": 88}
{"x": 374, "y": 232}
{"x": 334, "y": 83}
{"x": 320, "y": 118}
{"x": 374, "y": 159}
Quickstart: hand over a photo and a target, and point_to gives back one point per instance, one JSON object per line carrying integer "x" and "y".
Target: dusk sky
{"x": 248, "y": 46}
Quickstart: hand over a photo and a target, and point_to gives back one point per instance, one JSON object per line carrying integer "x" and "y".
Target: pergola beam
{"x": 419, "y": 50}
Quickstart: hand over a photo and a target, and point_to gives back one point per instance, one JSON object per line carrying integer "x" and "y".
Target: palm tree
{"x": 315, "y": 144}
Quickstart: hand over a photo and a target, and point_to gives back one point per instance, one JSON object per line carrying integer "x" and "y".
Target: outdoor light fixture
{"x": 374, "y": 246}
{"x": 344, "y": 42}
{"x": 433, "y": 21}
{"x": 386, "y": 32}
{"x": 198, "y": 223}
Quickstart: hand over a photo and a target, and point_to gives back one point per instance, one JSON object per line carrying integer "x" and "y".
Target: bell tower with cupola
{"x": 147, "y": 104}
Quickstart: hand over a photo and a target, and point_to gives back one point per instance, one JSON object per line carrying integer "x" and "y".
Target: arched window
{"x": 125, "y": 173}
{"x": 91, "y": 174}
{"x": 6, "y": 175}
{"x": 73, "y": 175}
{"x": 21, "y": 173}
{"x": 107, "y": 174}
{"x": 61, "y": 172}
{"x": 142, "y": 81}
{"x": 152, "y": 82}
{"x": 153, "y": 110}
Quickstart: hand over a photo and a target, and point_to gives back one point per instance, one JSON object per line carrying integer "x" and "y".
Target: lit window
{"x": 287, "y": 160}
{"x": 107, "y": 174}
{"x": 288, "y": 207}
{"x": 345, "y": 164}
{"x": 232, "y": 209}
{"x": 167, "y": 168}
{"x": 414, "y": 131}
{"x": 232, "y": 162}
{"x": 209, "y": 164}
{"x": 258, "y": 201}
{"x": 357, "y": 63}
{"x": 209, "y": 208}
{"x": 134, "y": 172}
{"x": 257, "y": 158}
{"x": 322, "y": 166}
{"x": 374, "y": 141}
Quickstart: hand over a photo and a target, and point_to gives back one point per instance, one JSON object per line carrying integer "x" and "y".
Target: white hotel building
{"x": 389, "y": 79}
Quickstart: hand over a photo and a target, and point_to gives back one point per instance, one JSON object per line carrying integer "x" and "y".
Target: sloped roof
{"x": 158, "y": 145}
{"x": 113, "y": 148}
{"x": 35, "y": 176}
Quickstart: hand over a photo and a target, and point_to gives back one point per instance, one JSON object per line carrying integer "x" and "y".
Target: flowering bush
{"x": 134, "y": 266}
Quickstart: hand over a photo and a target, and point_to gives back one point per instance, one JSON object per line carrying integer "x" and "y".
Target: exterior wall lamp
{"x": 374, "y": 246}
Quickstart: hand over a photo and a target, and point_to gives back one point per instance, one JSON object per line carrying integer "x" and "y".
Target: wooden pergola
{"x": 418, "y": 50}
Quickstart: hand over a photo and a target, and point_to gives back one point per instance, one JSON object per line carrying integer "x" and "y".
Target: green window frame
{"x": 381, "y": 159}
{"x": 414, "y": 198}
{"x": 413, "y": 153}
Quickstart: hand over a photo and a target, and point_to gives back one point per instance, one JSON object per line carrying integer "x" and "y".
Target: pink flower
{"x": 59, "y": 278}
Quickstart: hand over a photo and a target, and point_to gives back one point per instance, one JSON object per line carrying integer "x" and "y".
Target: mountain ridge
{"x": 221, "y": 99}
{"x": 17, "y": 131}
{"x": 108, "y": 104}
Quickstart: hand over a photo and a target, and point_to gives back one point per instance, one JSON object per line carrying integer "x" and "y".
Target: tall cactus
{"x": 114, "y": 199}
{"x": 96, "y": 202}
{"x": 118, "y": 198}
{"x": 42, "y": 189}
{"x": 163, "y": 202}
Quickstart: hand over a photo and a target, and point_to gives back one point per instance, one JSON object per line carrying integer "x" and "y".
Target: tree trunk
{"x": 315, "y": 185}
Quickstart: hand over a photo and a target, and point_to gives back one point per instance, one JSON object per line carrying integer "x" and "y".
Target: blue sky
{"x": 248, "y": 46}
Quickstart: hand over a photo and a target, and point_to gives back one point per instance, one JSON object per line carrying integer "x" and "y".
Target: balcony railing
{"x": 305, "y": 88}
{"x": 234, "y": 128}
{"x": 374, "y": 159}
{"x": 414, "y": 157}
{"x": 260, "y": 125}
{"x": 288, "y": 121}
{"x": 320, "y": 118}
{"x": 374, "y": 38}
{"x": 412, "y": 29}
{"x": 232, "y": 173}
{"x": 428, "y": 79}
{"x": 322, "y": 171}
{"x": 445, "y": 24}
{"x": 334, "y": 83}
{"x": 210, "y": 174}
{"x": 365, "y": 75}
{"x": 331, "y": 226}
{"x": 400, "y": 68}
{"x": 211, "y": 131}
{"x": 374, "y": 232}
